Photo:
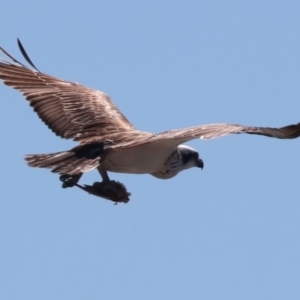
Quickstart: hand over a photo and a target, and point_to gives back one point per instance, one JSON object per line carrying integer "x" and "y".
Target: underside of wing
{"x": 173, "y": 138}
{"x": 69, "y": 109}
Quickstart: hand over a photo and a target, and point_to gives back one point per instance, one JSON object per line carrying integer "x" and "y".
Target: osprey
{"x": 107, "y": 140}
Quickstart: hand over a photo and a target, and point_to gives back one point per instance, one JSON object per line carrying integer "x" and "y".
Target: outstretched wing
{"x": 173, "y": 138}
{"x": 69, "y": 109}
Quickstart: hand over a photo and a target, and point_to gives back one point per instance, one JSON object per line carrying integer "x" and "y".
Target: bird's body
{"x": 142, "y": 159}
{"x": 107, "y": 140}
{"x": 149, "y": 159}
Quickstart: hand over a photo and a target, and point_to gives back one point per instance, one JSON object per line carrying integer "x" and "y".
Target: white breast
{"x": 142, "y": 159}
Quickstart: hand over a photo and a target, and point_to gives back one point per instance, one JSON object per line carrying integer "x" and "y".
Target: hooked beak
{"x": 200, "y": 163}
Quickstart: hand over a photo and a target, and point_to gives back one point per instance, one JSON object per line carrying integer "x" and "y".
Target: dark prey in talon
{"x": 107, "y": 141}
{"x": 110, "y": 190}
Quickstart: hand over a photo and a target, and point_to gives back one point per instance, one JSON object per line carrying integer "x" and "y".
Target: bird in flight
{"x": 107, "y": 141}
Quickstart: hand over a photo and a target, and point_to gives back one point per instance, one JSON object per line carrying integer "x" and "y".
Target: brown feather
{"x": 69, "y": 109}
{"x": 76, "y": 112}
{"x": 173, "y": 138}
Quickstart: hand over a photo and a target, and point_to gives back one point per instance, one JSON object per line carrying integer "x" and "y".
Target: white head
{"x": 183, "y": 158}
{"x": 189, "y": 157}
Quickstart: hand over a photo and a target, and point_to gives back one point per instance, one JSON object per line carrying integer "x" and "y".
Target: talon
{"x": 69, "y": 180}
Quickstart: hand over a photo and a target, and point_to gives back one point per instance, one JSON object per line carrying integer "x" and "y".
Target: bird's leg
{"x": 103, "y": 174}
{"x": 107, "y": 189}
{"x": 89, "y": 151}
{"x": 69, "y": 180}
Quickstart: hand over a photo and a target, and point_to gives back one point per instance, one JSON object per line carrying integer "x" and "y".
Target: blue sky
{"x": 230, "y": 231}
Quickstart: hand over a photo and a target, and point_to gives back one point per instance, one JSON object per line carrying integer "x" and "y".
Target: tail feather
{"x": 46, "y": 160}
{"x": 65, "y": 162}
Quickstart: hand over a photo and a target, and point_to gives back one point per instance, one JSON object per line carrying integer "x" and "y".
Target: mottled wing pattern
{"x": 69, "y": 109}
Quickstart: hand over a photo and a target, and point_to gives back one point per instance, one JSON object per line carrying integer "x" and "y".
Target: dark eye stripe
{"x": 186, "y": 157}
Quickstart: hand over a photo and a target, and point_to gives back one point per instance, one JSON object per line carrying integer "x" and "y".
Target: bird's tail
{"x": 77, "y": 160}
